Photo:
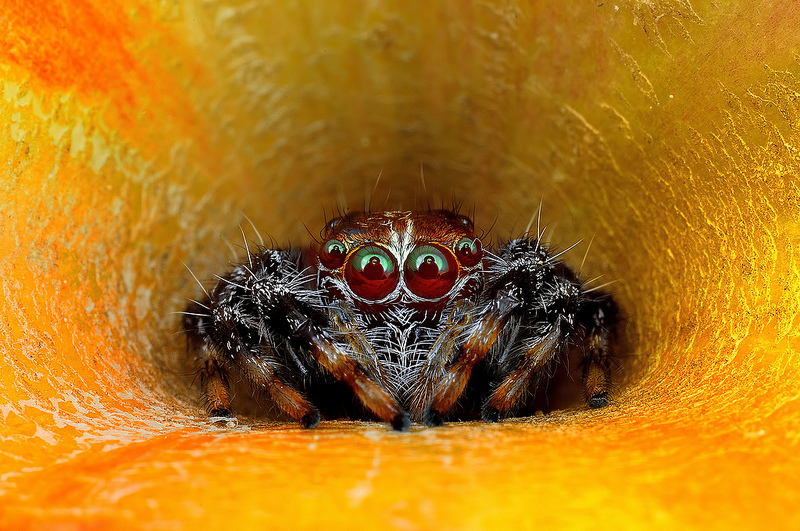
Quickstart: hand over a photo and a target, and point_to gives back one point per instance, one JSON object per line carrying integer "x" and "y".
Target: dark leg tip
{"x": 433, "y": 418}
{"x": 310, "y": 420}
{"x": 490, "y": 414}
{"x": 401, "y": 422}
{"x": 599, "y": 400}
{"x": 220, "y": 412}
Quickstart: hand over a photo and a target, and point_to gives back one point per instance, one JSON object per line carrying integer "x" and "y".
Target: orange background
{"x": 136, "y": 137}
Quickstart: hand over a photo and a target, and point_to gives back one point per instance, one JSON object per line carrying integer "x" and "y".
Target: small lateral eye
{"x": 332, "y": 254}
{"x": 469, "y": 251}
{"x": 430, "y": 272}
{"x": 371, "y": 273}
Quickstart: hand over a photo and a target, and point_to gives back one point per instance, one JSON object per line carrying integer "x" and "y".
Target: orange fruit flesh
{"x": 137, "y": 136}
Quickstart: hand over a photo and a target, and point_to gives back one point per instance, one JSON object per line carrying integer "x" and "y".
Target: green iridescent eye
{"x": 469, "y": 251}
{"x": 332, "y": 254}
{"x": 427, "y": 258}
{"x": 430, "y": 272}
{"x": 373, "y": 258}
{"x": 371, "y": 273}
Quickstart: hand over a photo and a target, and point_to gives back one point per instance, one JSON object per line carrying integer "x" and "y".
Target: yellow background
{"x": 136, "y": 136}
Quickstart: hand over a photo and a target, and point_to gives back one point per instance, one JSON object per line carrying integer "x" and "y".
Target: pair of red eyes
{"x": 430, "y": 271}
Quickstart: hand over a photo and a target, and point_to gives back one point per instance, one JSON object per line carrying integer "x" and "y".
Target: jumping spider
{"x": 402, "y": 317}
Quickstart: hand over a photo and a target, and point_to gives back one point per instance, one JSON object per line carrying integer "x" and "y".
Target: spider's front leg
{"x": 532, "y": 305}
{"x": 247, "y": 324}
{"x": 348, "y": 356}
{"x": 255, "y": 320}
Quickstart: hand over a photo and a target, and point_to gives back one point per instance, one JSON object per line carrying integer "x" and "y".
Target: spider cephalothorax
{"x": 398, "y": 260}
{"x": 405, "y": 309}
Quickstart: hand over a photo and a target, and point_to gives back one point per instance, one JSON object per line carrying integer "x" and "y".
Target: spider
{"x": 402, "y": 317}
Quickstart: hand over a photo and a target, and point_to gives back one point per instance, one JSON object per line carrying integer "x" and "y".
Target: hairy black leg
{"x": 262, "y": 375}
{"x": 550, "y": 311}
{"x": 554, "y": 310}
{"x": 229, "y": 328}
{"x": 215, "y": 389}
{"x": 358, "y": 367}
{"x": 481, "y": 338}
{"x": 454, "y": 333}
{"x": 541, "y": 296}
{"x": 350, "y": 334}
{"x": 290, "y": 312}
{"x": 539, "y": 352}
{"x": 600, "y": 314}
{"x": 213, "y": 379}
{"x": 344, "y": 368}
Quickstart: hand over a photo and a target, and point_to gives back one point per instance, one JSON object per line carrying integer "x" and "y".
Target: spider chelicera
{"x": 402, "y": 317}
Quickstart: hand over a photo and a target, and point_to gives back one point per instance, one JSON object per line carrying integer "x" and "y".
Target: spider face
{"x": 406, "y": 312}
{"x": 377, "y": 262}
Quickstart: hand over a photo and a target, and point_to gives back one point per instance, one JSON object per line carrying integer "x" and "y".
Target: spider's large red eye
{"x": 332, "y": 254}
{"x": 371, "y": 273}
{"x": 469, "y": 251}
{"x": 430, "y": 272}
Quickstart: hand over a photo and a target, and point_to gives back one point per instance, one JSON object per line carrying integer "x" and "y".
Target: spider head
{"x": 380, "y": 260}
